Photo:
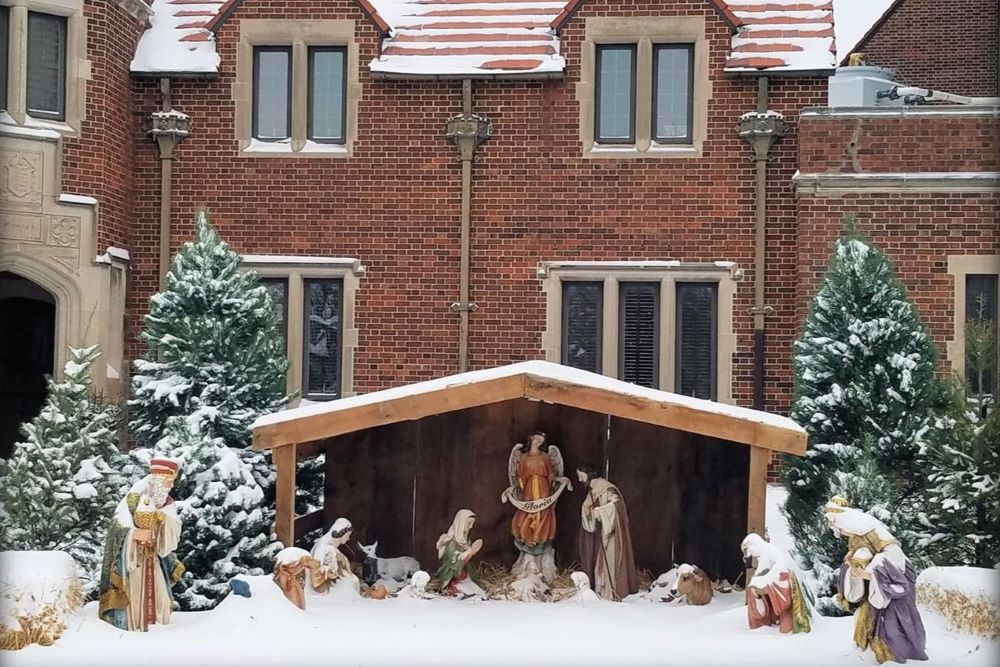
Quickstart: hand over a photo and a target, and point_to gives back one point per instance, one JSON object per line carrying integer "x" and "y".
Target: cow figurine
{"x": 693, "y": 584}
{"x": 393, "y": 573}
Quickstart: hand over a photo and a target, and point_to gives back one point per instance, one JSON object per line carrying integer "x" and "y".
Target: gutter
{"x": 761, "y": 129}
{"x": 466, "y": 131}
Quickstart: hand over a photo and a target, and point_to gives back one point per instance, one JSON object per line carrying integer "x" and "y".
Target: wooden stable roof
{"x": 537, "y": 380}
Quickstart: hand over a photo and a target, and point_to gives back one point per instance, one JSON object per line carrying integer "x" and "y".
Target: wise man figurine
{"x": 878, "y": 583}
{"x": 605, "y": 541}
{"x": 140, "y": 566}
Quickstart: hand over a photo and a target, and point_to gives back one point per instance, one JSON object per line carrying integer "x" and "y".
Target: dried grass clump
{"x": 45, "y": 626}
{"x": 978, "y": 615}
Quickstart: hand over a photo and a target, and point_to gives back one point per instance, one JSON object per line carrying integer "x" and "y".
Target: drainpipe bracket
{"x": 762, "y": 130}
{"x": 761, "y": 310}
{"x": 471, "y": 307}
{"x": 467, "y": 131}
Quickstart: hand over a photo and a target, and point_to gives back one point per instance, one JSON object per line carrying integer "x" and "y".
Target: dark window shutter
{"x": 697, "y": 339}
{"x": 639, "y": 333}
{"x": 4, "y": 46}
{"x": 582, "y": 309}
{"x": 322, "y": 333}
{"x": 981, "y": 307}
{"x": 46, "y": 66}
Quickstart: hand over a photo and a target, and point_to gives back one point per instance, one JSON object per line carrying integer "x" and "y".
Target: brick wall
{"x": 98, "y": 162}
{"x": 395, "y": 203}
{"x": 898, "y": 143}
{"x": 950, "y": 46}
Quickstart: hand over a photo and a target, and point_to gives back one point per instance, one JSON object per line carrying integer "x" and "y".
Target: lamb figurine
{"x": 393, "y": 573}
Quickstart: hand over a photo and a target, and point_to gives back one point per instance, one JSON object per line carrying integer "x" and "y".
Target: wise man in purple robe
{"x": 878, "y": 581}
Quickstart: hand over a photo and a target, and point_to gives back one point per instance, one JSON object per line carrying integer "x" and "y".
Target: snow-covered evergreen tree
{"x": 960, "y": 512}
{"x": 62, "y": 482}
{"x": 866, "y": 393}
{"x": 213, "y": 351}
{"x": 227, "y": 525}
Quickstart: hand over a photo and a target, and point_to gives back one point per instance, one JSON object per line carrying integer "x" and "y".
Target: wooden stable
{"x": 401, "y": 462}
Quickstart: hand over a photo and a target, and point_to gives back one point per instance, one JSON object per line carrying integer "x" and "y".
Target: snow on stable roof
{"x": 465, "y": 38}
{"x": 799, "y": 35}
{"x": 178, "y": 39}
{"x": 540, "y": 380}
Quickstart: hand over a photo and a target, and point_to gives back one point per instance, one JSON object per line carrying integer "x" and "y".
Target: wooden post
{"x": 757, "y": 489}
{"x": 284, "y": 520}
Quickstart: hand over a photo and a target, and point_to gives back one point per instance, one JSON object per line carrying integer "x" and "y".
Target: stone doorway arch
{"x": 28, "y": 316}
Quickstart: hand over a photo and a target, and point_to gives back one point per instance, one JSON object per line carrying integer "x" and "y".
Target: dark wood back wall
{"x": 402, "y": 484}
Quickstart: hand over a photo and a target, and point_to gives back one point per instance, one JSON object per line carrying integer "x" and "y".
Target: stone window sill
{"x": 653, "y": 150}
{"x": 34, "y": 127}
{"x": 288, "y": 148}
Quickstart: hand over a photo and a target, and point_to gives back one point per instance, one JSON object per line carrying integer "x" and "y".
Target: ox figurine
{"x": 693, "y": 584}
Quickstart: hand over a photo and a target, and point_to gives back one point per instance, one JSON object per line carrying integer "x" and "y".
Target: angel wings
{"x": 517, "y": 452}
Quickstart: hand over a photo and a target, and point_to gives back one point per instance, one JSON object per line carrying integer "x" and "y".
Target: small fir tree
{"x": 213, "y": 351}
{"x": 866, "y": 394}
{"x": 62, "y": 482}
{"x": 960, "y": 512}
{"x": 226, "y": 524}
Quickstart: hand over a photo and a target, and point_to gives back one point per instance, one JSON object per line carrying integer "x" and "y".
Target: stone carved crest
{"x": 21, "y": 177}
{"x": 65, "y": 232}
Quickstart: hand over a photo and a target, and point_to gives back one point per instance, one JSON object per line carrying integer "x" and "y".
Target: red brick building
{"x": 433, "y": 186}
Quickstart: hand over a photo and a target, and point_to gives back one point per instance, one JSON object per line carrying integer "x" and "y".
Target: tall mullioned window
{"x": 582, "y": 305}
{"x": 981, "y": 310}
{"x": 4, "y": 47}
{"x": 322, "y": 331}
{"x": 272, "y": 93}
{"x": 673, "y": 88}
{"x": 639, "y": 333}
{"x": 46, "y": 84}
{"x": 327, "y": 94}
{"x": 615, "y": 94}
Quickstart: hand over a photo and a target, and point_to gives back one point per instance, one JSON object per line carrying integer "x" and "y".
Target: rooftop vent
{"x": 859, "y": 86}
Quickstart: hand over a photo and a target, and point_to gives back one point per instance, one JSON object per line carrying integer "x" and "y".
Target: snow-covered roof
{"x": 468, "y": 38}
{"x": 799, "y": 35}
{"x": 178, "y": 39}
{"x": 540, "y": 380}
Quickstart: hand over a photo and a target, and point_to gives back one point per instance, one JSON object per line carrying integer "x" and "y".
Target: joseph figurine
{"x": 605, "y": 540}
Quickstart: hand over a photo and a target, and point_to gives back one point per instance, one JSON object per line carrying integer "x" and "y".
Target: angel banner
{"x": 536, "y": 482}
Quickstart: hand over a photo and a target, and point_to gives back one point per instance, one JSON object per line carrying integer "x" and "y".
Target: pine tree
{"x": 215, "y": 356}
{"x": 62, "y": 482}
{"x": 226, "y": 525}
{"x": 866, "y": 394}
{"x": 960, "y": 512}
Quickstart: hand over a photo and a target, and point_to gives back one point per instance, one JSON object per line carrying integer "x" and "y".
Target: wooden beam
{"x": 284, "y": 500}
{"x": 680, "y": 417}
{"x": 757, "y": 490}
{"x": 306, "y": 523}
{"x": 390, "y": 411}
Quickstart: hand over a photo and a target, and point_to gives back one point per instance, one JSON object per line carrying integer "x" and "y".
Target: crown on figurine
{"x": 164, "y": 467}
{"x": 837, "y": 504}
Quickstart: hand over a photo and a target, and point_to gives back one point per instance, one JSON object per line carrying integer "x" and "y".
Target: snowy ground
{"x": 266, "y": 629}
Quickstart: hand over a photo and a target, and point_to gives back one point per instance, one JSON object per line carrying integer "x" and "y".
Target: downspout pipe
{"x": 168, "y": 128}
{"x": 466, "y": 131}
{"x": 761, "y": 129}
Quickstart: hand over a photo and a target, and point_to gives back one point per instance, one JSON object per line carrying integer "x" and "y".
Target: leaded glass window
{"x": 323, "y": 319}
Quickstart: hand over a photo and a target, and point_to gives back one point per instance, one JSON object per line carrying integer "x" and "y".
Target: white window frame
{"x": 960, "y": 267}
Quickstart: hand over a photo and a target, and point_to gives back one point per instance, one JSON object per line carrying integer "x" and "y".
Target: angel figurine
{"x": 536, "y": 481}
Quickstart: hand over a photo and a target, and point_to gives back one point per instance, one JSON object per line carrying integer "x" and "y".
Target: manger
{"x": 400, "y": 462}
